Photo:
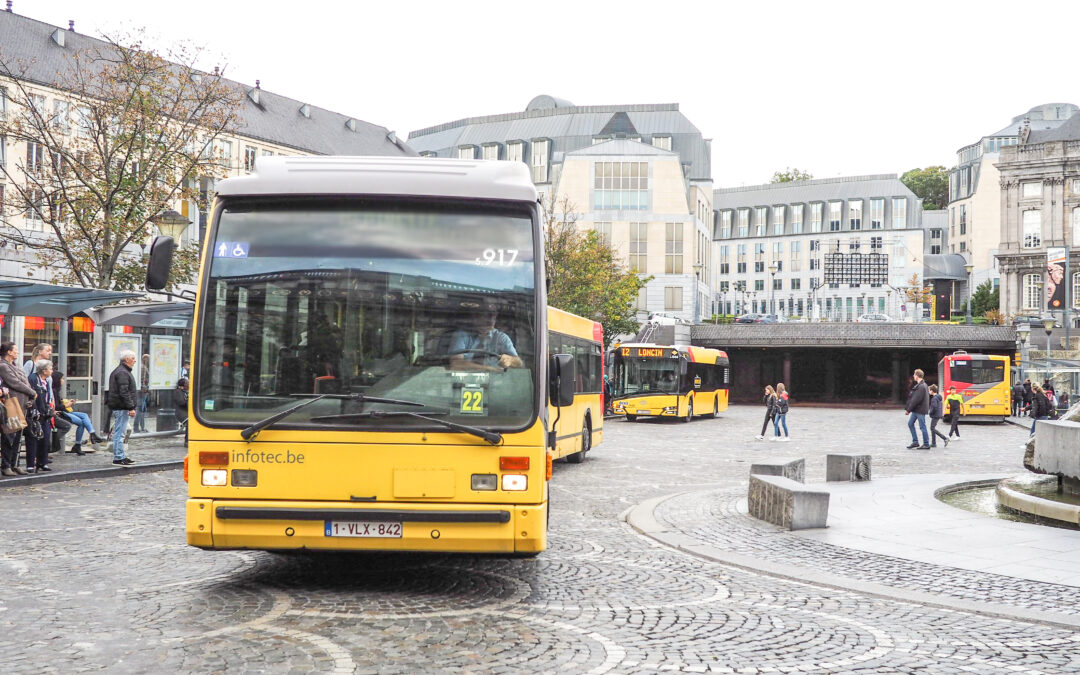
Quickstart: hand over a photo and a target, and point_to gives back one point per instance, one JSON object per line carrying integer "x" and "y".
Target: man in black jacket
{"x": 918, "y": 404}
{"x": 1017, "y": 399}
{"x": 121, "y": 400}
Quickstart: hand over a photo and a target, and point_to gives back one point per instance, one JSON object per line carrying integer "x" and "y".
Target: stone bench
{"x": 793, "y": 468}
{"x": 847, "y": 467}
{"x": 781, "y": 501}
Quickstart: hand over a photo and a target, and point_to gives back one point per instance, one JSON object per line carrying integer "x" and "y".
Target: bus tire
{"x": 716, "y": 408}
{"x": 631, "y": 418}
{"x": 689, "y": 410}
{"x": 586, "y": 445}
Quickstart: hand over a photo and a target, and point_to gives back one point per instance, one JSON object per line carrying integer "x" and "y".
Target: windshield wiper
{"x": 253, "y": 430}
{"x": 493, "y": 437}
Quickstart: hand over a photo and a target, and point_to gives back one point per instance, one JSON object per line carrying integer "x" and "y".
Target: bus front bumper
{"x": 281, "y": 525}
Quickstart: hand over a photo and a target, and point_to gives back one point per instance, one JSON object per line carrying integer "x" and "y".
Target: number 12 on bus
{"x": 670, "y": 381}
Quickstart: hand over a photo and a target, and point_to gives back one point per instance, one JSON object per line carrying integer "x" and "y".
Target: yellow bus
{"x": 583, "y": 420}
{"x": 370, "y": 362}
{"x": 983, "y": 380}
{"x": 667, "y": 381}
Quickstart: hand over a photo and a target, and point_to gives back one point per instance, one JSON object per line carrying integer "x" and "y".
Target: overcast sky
{"x": 837, "y": 88}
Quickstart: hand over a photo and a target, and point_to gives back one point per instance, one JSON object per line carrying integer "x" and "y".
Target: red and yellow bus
{"x": 983, "y": 381}
{"x": 667, "y": 381}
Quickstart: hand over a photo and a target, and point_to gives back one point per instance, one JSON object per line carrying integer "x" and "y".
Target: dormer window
{"x": 662, "y": 142}
{"x": 467, "y": 152}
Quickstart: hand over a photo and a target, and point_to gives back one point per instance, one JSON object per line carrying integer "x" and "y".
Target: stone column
{"x": 897, "y": 390}
{"x": 787, "y": 369}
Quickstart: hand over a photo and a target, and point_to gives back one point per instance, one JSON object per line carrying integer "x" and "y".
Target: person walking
{"x": 935, "y": 417}
{"x": 1040, "y": 406}
{"x": 954, "y": 403}
{"x": 18, "y": 386}
{"x": 1027, "y": 395}
{"x": 780, "y": 416}
{"x": 1017, "y": 399}
{"x": 39, "y": 429}
{"x": 121, "y": 401}
{"x": 770, "y": 408}
{"x": 918, "y": 404}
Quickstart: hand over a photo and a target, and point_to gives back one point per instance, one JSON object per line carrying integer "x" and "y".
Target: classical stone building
{"x": 1039, "y": 194}
{"x": 637, "y": 174}
{"x": 974, "y": 199}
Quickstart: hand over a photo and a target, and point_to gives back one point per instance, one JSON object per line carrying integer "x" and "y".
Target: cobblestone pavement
{"x": 98, "y": 578}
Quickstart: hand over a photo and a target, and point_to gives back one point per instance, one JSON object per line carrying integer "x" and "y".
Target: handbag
{"x": 14, "y": 420}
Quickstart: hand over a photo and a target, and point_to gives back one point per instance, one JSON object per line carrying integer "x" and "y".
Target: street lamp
{"x": 968, "y": 268}
{"x": 773, "y": 269}
{"x": 1022, "y": 332}
{"x": 697, "y": 291}
{"x": 888, "y": 303}
{"x": 1048, "y": 326}
{"x": 862, "y": 302}
{"x": 171, "y": 224}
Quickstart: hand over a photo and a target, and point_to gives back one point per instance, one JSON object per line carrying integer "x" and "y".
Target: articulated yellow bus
{"x": 371, "y": 367}
{"x": 665, "y": 381}
{"x": 583, "y": 420}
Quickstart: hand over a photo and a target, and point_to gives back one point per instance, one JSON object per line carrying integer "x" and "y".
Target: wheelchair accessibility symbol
{"x": 231, "y": 249}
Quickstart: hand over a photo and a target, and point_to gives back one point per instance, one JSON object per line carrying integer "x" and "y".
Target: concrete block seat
{"x": 793, "y": 468}
{"x": 846, "y": 467}
{"x": 784, "y": 502}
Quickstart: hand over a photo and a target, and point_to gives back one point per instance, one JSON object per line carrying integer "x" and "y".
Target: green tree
{"x": 790, "y": 174}
{"x": 134, "y": 133}
{"x": 585, "y": 273}
{"x": 984, "y": 299}
{"x": 930, "y": 184}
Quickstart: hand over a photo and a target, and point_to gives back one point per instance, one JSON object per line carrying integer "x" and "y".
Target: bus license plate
{"x": 359, "y": 528}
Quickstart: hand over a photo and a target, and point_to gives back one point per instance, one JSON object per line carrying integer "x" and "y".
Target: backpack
{"x": 781, "y": 405}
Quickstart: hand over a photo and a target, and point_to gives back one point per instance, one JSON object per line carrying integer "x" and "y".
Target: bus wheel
{"x": 631, "y": 418}
{"x": 586, "y": 445}
{"x": 689, "y": 410}
{"x": 715, "y": 409}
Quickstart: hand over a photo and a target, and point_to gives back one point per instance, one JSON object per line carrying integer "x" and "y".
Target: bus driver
{"x": 494, "y": 349}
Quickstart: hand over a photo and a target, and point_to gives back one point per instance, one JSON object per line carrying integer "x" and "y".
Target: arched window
{"x": 1076, "y": 290}
{"x": 1032, "y": 291}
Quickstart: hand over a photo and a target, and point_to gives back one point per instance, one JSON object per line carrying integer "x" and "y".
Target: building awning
{"x": 946, "y": 266}
{"x": 27, "y": 298}
{"x": 145, "y": 314}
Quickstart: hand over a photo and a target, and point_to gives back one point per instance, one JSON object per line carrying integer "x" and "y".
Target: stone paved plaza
{"x": 98, "y": 577}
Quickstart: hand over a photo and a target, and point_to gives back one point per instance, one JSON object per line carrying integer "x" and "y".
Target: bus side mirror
{"x": 684, "y": 367}
{"x": 562, "y": 379}
{"x": 157, "y": 270}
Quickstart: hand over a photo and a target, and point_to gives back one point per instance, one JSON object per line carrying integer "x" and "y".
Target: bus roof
{"x": 566, "y": 323}
{"x": 974, "y": 357}
{"x": 697, "y": 354}
{"x": 405, "y": 176}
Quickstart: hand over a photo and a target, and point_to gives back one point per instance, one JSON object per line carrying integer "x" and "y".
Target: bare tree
{"x": 128, "y": 136}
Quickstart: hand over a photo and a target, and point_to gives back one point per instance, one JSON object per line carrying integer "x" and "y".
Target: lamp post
{"x": 171, "y": 224}
{"x": 773, "y": 269}
{"x": 968, "y": 268}
{"x": 1022, "y": 332}
{"x": 697, "y": 291}
{"x": 862, "y": 302}
{"x": 888, "y": 303}
{"x": 1048, "y": 326}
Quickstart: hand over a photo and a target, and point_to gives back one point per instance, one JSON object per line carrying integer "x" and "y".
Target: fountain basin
{"x": 1027, "y": 497}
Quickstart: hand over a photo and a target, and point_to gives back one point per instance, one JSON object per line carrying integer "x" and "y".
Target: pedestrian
{"x": 18, "y": 386}
{"x": 770, "y": 408}
{"x": 121, "y": 401}
{"x": 918, "y": 404}
{"x": 955, "y": 404}
{"x": 1063, "y": 401}
{"x": 1017, "y": 399}
{"x": 40, "y": 351}
{"x": 1052, "y": 398}
{"x": 40, "y": 421}
{"x": 142, "y": 401}
{"x": 935, "y": 417}
{"x": 1027, "y": 395}
{"x": 780, "y": 416}
{"x": 1040, "y": 406}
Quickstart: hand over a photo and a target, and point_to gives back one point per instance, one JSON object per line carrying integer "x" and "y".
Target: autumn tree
{"x": 930, "y": 184}
{"x": 586, "y": 276}
{"x": 917, "y": 292}
{"x": 128, "y": 138}
{"x": 791, "y": 174}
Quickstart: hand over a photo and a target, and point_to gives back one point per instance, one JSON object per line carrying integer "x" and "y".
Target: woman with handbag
{"x": 40, "y": 420}
{"x": 18, "y": 395}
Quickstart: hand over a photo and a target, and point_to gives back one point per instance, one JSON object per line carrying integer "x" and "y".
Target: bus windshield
{"x": 645, "y": 376}
{"x": 434, "y": 305}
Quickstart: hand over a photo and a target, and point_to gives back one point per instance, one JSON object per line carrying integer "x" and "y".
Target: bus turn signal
{"x": 513, "y": 464}
{"x": 214, "y": 458}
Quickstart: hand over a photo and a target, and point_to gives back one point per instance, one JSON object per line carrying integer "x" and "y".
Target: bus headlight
{"x": 671, "y": 410}
{"x": 514, "y": 482}
{"x": 484, "y": 481}
{"x": 214, "y": 477}
{"x": 245, "y": 478}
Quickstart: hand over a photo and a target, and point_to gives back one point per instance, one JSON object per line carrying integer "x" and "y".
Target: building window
{"x": 1075, "y": 279}
{"x": 249, "y": 158}
{"x": 725, "y": 264}
{"x": 963, "y": 219}
{"x": 1031, "y": 190}
{"x": 778, "y": 284}
{"x": 759, "y": 284}
{"x": 963, "y": 246}
{"x": 744, "y": 222}
{"x": 759, "y": 266}
{"x": 466, "y": 152}
{"x": 489, "y": 151}
{"x": 3, "y": 150}
{"x": 725, "y": 224}
{"x": 1032, "y": 291}
{"x": 673, "y": 298}
{"x": 778, "y": 220}
{"x": 740, "y": 262}
{"x": 35, "y": 156}
{"x": 854, "y": 211}
{"x": 540, "y": 160}
{"x": 777, "y": 251}
{"x": 796, "y": 284}
{"x": 835, "y": 209}
{"x": 673, "y": 249}
{"x": 854, "y": 245}
{"x": 3, "y": 102}
{"x": 796, "y": 218}
{"x": 603, "y": 233}
{"x": 639, "y": 235}
{"x": 761, "y": 215}
{"x": 899, "y": 253}
{"x": 2, "y": 205}
{"x": 875, "y": 244}
{"x": 815, "y": 216}
{"x": 815, "y": 263}
{"x": 1032, "y": 228}
{"x": 935, "y": 249}
{"x": 662, "y": 142}
{"x": 514, "y": 151}
{"x": 877, "y": 214}
{"x": 935, "y": 233}
{"x": 267, "y": 153}
{"x": 1076, "y": 186}
{"x": 899, "y": 213}
{"x": 61, "y": 116}
{"x": 620, "y": 185}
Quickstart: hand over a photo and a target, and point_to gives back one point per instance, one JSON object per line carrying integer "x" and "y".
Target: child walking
{"x": 770, "y": 409}
{"x": 935, "y": 417}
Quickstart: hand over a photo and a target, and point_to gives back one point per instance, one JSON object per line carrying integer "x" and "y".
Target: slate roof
{"x": 27, "y": 42}
{"x": 805, "y": 191}
{"x": 571, "y": 128}
{"x": 1069, "y": 131}
{"x": 621, "y": 147}
{"x": 853, "y": 335}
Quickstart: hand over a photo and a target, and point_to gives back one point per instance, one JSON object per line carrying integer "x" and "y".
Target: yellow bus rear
{"x": 983, "y": 380}
{"x": 668, "y": 381}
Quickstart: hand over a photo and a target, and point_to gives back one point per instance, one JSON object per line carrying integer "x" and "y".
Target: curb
{"x": 103, "y": 472}
{"x": 641, "y": 519}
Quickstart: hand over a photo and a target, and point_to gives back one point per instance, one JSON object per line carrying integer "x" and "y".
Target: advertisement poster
{"x": 165, "y": 360}
{"x": 1055, "y": 277}
{"x": 115, "y": 343}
